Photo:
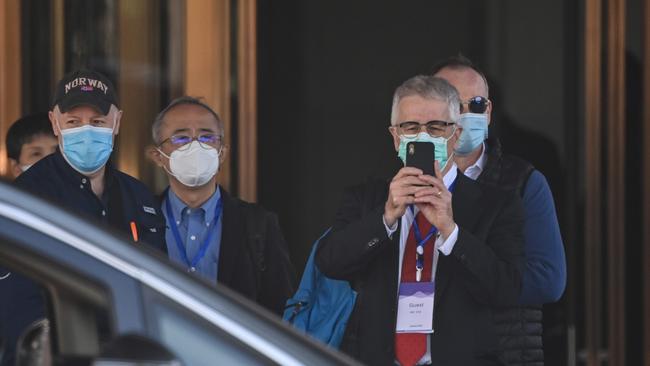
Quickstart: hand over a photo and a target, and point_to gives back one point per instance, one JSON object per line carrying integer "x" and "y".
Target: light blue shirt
{"x": 193, "y": 227}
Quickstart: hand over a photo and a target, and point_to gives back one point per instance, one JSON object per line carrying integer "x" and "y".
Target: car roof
{"x": 218, "y": 305}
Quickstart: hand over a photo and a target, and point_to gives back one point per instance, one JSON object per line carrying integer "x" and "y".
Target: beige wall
{"x": 10, "y": 88}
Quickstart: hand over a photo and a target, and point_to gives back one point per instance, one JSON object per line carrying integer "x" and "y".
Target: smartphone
{"x": 420, "y": 154}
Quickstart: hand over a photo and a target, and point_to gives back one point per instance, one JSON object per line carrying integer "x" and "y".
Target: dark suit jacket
{"x": 254, "y": 261}
{"x": 482, "y": 271}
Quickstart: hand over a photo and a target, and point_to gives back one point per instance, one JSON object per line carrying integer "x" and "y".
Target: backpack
{"x": 321, "y": 306}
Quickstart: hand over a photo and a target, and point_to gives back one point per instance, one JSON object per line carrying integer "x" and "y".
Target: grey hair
{"x": 427, "y": 87}
{"x": 184, "y": 100}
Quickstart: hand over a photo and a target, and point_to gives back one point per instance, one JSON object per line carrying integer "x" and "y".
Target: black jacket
{"x": 482, "y": 271}
{"x": 519, "y": 328}
{"x": 254, "y": 257}
{"x": 125, "y": 198}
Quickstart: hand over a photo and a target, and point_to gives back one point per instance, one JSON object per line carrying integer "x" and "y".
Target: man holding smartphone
{"x": 430, "y": 256}
{"x": 544, "y": 275}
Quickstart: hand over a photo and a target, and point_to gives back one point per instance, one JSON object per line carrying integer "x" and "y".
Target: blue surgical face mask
{"x": 439, "y": 144}
{"x": 87, "y": 148}
{"x": 475, "y": 131}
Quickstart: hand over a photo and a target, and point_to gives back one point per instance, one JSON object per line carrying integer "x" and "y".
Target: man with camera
{"x": 429, "y": 255}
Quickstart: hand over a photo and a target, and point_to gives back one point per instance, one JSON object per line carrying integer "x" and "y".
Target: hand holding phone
{"x": 407, "y": 182}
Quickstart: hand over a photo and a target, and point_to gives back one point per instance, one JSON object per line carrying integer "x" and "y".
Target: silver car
{"x": 110, "y": 301}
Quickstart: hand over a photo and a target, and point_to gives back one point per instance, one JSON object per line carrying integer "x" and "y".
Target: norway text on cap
{"x": 86, "y": 82}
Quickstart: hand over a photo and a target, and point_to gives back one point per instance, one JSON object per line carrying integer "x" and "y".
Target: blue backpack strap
{"x": 303, "y": 295}
{"x": 321, "y": 306}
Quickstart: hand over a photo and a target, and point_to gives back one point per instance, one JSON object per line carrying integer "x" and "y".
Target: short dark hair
{"x": 458, "y": 62}
{"x": 24, "y": 130}
{"x": 184, "y": 100}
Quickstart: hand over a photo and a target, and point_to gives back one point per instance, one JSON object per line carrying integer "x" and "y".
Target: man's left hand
{"x": 435, "y": 203}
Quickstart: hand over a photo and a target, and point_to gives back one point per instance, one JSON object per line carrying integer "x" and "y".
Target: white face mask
{"x": 194, "y": 165}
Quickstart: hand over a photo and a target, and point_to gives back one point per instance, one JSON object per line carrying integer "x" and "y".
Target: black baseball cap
{"x": 84, "y": 87}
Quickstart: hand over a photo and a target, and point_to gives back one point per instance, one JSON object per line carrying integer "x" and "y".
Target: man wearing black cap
{"x": 78, "y": 176}
{"x": 85, "y": 118}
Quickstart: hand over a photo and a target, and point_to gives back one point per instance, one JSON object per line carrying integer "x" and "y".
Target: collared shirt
{"x": 68, "y": 186}
{"x": 123, "y": 201}
{"x": 445, "y": 247}
{"x": 193, "y": 227}
{"x": 477, "y": 168}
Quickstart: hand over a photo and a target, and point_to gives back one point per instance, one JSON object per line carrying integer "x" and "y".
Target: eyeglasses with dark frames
{"x": 205, "y": 140}
{"x": 410, "y": 129}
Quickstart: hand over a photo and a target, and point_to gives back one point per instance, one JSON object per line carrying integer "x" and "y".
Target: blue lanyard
{"x": 421, "y": 243}
{"x": 191, "y": 266}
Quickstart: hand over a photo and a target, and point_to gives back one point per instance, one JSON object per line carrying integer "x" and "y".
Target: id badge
{"x": 415, "y": 307}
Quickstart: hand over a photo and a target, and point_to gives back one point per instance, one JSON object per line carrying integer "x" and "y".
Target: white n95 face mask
{"x": 194, "y": 165}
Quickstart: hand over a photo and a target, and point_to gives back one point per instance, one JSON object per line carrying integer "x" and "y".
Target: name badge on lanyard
{"x": 421, "y": 243}
{"x": 415, "y": 299}
{"x": 415, "y": 307}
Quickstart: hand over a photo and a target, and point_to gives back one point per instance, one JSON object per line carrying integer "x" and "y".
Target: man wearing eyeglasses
{"x": 210, "y": 233}
{"x": 544, "y": 276}
{"x": 429, "y": 256}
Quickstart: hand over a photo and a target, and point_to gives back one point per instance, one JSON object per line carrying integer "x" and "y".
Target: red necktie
{"x": 410, "y": 347}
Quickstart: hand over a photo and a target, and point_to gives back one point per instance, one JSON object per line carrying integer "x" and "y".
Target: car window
{"x": 44, "y": 319}
{"x": 197, "y": 343}
{"x": 87, "y": 303}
